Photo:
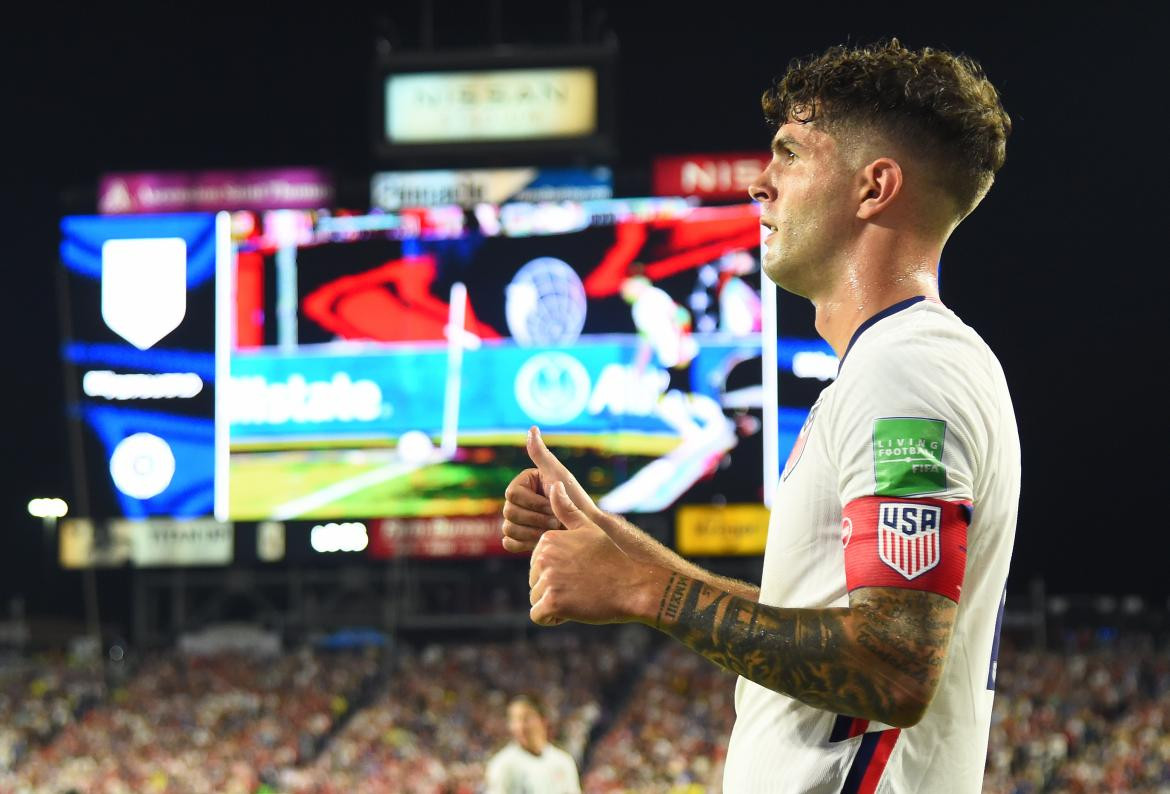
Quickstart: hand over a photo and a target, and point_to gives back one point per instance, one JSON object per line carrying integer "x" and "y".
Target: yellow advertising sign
{"x": 505, "y": 104}
{"x": 716, "y": 530}
{"x": 82, "y": 545}
{"x": 157, "y": 541}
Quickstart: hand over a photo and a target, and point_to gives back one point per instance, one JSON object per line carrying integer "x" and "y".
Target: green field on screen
{"x": 328, "y": 485}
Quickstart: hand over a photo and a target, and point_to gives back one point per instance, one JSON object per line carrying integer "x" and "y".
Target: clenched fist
{"x": 581, "y": 574}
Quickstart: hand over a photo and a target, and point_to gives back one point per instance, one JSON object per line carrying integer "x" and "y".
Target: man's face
{"x": 526, "y": 726}
{"x": 804, "y": 196}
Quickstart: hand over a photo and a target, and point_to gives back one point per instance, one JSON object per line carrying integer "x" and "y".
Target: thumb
{"x": 552, "y": 470}
{"x": 547, "y": 462}
{"x": 563, "y": 508}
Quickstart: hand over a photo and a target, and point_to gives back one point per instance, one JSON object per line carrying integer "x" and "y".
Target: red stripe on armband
{"x": 919, "y": 544}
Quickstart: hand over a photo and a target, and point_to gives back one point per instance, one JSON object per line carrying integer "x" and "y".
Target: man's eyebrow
{"x": 785, "y": 142}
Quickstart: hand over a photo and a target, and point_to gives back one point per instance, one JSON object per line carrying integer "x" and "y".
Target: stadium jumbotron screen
{"x": 390, "y": 364}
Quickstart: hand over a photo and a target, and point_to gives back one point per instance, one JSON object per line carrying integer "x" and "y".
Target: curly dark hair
{"x": 940, "y": 105}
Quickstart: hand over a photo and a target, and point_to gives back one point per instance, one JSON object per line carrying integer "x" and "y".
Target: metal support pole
{"x": 1039, "y": 613}
{"x": 426, "y": 26}
{"x": 576, "y": 22}
{"x": 178, "y": 602}
{"x": 140, "y": 612}
{"x": 93, "y": 621}
{"x": 496, "y": 22}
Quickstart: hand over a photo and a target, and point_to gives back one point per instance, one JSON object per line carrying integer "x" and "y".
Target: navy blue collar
{"x": 883, "y": 314}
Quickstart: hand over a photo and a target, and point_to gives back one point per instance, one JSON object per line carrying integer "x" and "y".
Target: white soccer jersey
{"x": 514, "y": 770}
{"x": 920, "y": 411}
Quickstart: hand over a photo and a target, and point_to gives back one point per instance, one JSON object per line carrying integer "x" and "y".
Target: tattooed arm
{"x": 641, "y": 546}
{"x": 880, "y": 658}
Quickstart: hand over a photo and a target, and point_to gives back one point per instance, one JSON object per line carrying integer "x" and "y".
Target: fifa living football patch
{"x": 908, "y": 456}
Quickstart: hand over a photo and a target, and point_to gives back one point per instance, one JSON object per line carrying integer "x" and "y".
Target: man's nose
{"x": 760, "y": 190}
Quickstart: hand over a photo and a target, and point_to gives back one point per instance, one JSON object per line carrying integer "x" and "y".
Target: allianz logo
{"x": 554, "y": 388}
{"x": 254, "y": 400}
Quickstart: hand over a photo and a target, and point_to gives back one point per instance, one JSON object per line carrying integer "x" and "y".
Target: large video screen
{"x": 389, "y": 365}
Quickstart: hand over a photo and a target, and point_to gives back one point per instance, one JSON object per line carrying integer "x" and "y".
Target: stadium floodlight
{"x": 47, "y": 508}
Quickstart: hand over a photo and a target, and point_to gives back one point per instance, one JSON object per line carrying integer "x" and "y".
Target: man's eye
{"x": 789, "y": 155}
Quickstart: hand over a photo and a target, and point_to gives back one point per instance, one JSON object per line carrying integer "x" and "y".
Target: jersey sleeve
{"x": 908, "y": 454}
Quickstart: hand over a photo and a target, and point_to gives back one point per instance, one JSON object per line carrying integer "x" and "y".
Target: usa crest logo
{"x": 909, "y": 540}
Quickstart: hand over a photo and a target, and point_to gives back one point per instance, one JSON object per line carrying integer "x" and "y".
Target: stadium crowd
{"x": 441, "y": 714}
{"x": 672, "y": 734}
{"x": 1092, "y": 717}
{"x": 638, "y": 714}
{"x": 197, "y": 724}
{"x": 39, "y": 697}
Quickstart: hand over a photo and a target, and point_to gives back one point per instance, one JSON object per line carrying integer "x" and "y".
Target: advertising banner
{"x": 490, "y": 105}
{"x": 82, "y": 543}
{"x": 211, "y": 191}
{"x": 453, "y": 536}
{"x": 202, "y": 541}
{"x": 716, "y": 530}
{"x": 711, "y": 176}
{"x": 394, "y": 190}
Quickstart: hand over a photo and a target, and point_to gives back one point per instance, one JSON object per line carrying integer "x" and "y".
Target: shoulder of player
{"x": 925, "y": 342}
{"x": 562, "y": 758}
{"x": 503, "y": 755}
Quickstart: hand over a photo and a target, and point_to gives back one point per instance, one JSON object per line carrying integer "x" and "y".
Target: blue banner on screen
{"x": 142, "y": 353}
{"x": 590, "y": 388}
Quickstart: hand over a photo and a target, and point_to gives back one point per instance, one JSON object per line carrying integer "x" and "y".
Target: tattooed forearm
{"x": 904, "y": 630}
{"x": 672, "y": 598}
{"x": 880, "y": 659}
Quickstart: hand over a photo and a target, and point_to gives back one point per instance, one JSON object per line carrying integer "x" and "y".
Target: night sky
{"x": 1060, "y": 269}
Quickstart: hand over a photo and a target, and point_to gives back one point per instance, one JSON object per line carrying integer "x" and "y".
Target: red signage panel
{"x": 448, "y": 536}
{"x": 724, "y": 175}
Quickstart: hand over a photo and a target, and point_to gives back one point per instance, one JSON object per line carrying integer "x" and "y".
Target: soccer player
{"x": 867, "y": 655}
{"x": 529, "y": 764}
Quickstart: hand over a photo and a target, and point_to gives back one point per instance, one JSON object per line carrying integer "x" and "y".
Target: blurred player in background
{"x": 529, "y": 764}
{"x": 867, "y": 655}
{"x": 664, "y": 325}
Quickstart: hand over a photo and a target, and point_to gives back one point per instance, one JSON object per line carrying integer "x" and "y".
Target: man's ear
{"x": 880, "y": 184}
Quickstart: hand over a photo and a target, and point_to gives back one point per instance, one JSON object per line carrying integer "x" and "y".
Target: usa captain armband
{"x": 919, "y": 544}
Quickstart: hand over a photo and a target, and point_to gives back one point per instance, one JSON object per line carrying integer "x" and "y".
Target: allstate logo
{"x": 552, "y": 388}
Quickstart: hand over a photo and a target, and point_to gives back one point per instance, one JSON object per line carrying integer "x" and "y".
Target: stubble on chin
{"x": 783, "y": 274}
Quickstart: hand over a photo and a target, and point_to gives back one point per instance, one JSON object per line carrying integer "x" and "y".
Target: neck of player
{"x": 535, "y": 745}
{"x": 873, "y": 278}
